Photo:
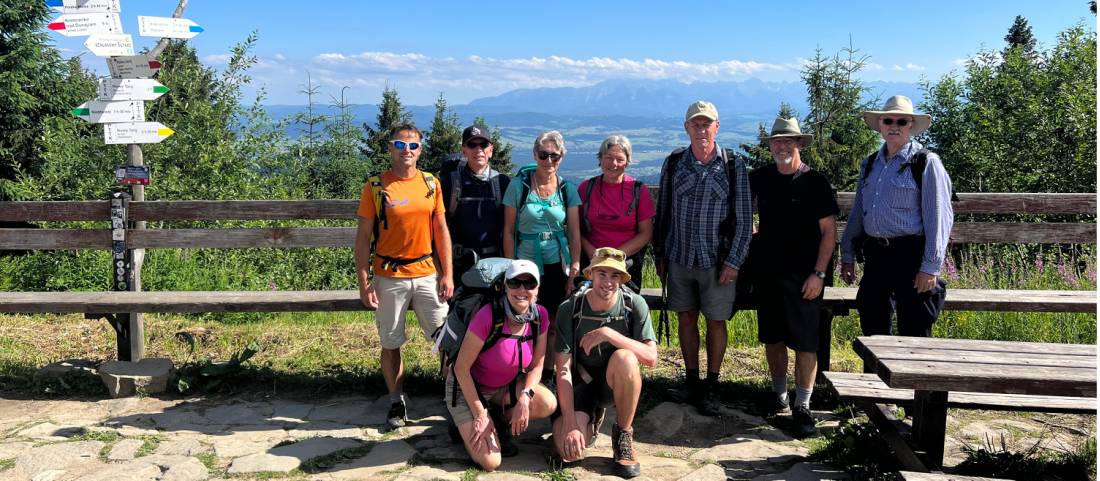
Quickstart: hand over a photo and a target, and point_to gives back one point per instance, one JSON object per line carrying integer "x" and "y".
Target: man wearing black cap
{"x": 473, "y": 191}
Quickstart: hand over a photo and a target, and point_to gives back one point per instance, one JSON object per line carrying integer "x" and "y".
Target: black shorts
{"x": 552, "y": 288}
{"x": 588, "y": 396}
{"x": 783, "y": 315}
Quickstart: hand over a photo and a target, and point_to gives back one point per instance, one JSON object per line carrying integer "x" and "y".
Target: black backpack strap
{"x": 868, "y": 164}
{"x": 633, "y": 208}
{"x": 586, "y": 226}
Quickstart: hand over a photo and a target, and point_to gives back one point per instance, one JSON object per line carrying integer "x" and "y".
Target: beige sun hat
{"x": 610, "y": 258}
{"x": 701, "y": 108}
{"x": 898, "y": 105}
{"x": 788, "y": 128}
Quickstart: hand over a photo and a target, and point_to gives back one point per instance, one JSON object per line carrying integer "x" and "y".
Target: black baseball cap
{"x": 475, "y": 132}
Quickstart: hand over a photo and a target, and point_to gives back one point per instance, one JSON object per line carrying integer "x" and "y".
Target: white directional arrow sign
{"x": 98, "y": 112}
{"x": 135, "y": 133}
{"x": 85, "y": 6}
{"x": 79, "y": 24}
{"x": 167, "y": 27}
{"x": 110, "y": 45}
{"x": 130, "y": 89}
{"x": 134, "y": 66}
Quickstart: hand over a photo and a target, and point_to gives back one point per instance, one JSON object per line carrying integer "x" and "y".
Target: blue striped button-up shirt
{"x": 700, "y": 200}
{"x": 889, "y": 204}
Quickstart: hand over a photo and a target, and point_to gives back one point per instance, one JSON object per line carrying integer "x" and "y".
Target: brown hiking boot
{"x": 622, "y": 447}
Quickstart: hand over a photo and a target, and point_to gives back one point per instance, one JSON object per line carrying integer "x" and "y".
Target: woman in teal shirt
{"x": 544, "y": 225}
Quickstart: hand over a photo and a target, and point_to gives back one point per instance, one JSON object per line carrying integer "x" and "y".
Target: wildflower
{"x": 271, "y": 285}
{"x": 1069, "y": 275}
{"x": 1092, "y": 275}
{"x": 952, "y": 272}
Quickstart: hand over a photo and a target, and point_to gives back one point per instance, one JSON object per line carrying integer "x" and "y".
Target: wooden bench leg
{"x": 824, "y": 340}
{"x": 930, "y": 424}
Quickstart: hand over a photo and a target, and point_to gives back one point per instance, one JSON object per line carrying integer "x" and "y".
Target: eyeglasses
{"x": 528, "y": 283}
{"x": 553, "y": 156}
{"x": 401, "y": 144}
{"x": 610, "y": 253}
{"x": 478, "y": 145}
{"x": 900, "y": 122}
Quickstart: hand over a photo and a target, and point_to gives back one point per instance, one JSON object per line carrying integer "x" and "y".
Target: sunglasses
{"x": 526, "y": 282}
{"x": 477, "y": 145}
{"x": 553, "y": 156}
{"x": 900, "y": 122}
{"x": 401, "y": 144}
{"x": 610, "y": 253}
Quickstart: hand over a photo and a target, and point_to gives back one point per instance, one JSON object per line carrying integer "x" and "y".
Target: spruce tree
{"x": 390, "y": 114}
{"x": 501, "y": 161}
{"x": 444, "y": 138}
{"x": 1020, "y": 36}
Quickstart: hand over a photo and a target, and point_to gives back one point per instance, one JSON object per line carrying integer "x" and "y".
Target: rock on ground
{"x": 286, "y": 458}
{"x": 123, "y": 378}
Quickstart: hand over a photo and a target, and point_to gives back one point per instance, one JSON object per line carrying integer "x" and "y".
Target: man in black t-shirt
{"x": 472, "y": 194}
{"x": 790, "y": 255}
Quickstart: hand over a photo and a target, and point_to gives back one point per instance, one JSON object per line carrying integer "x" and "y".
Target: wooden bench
{"x": 916, "y": 476}
{"x": 931, "y": 375}
{"x": 167, "y": 212}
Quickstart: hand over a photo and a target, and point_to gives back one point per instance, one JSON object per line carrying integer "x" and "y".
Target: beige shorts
{"x": 395, "y": 296}
{"x": 460, "y": 411}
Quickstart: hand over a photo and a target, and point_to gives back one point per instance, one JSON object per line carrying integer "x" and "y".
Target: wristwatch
{"x": 819, "y": 274}
{"x": 530, "y": 392}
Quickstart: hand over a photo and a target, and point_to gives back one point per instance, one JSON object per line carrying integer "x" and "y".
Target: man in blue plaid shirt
{"x": 702, "y": 233}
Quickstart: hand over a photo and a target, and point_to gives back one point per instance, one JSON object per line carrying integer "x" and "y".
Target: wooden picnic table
{"x": 932, "y": 367}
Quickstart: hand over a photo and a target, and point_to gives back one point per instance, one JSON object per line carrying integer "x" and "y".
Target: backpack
{"x": 380, "y": 200}
{"x": 578, "y": 300}
{"x": 451, "y": 171}
{"x": 524, "y": 177}
{"x": 482, "y": 285}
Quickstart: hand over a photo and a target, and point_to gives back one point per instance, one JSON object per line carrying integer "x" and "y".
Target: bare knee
{"x": 488, "y": 462}
{"x": 623, "y": 366}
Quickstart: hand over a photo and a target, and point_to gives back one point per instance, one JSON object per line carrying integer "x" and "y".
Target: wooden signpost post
{"x": 120, "y": 107}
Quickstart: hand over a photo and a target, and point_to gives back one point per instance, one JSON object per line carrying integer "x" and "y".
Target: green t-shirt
{"x": 568, "y": 337}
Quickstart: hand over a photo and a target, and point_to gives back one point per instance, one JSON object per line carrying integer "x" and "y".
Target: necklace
{"x": 545, "y": 189}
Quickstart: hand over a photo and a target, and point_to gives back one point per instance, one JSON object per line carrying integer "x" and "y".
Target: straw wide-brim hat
{"x": 788, "y": 128}
{"x": 616, "y": 262}
{"x": 898, "y": 105}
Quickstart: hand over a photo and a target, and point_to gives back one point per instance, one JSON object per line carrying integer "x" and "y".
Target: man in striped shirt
{"x": 901, "y": 221}
{"x": 702, "y": 232}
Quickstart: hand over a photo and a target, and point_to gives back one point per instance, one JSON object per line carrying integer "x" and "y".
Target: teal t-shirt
{"x": 640, "y": 329}
{"x": 536, "y": 215}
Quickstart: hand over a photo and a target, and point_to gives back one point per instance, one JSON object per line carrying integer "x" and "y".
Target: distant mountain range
{"x": 648, "y": 112}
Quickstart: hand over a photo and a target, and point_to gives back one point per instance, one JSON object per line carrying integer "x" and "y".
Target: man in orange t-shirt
{"x": 410, "y": 222}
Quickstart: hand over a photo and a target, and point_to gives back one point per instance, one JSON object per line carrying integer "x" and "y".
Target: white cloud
{"x": 909, "y": 67}
{"x": 217, "y": 59}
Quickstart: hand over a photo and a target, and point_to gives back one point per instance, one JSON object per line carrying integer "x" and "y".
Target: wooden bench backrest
{"x": 965, "y": 232}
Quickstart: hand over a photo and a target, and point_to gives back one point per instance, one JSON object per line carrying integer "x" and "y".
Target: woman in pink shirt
{"x": 616, "y": 210}
{"x": 500, "y": 390}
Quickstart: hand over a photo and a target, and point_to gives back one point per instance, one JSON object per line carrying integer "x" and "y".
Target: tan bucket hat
{"x": 898, "y": 105}
{"x": 610, "y": 258}
{"x": 788, "y": 128}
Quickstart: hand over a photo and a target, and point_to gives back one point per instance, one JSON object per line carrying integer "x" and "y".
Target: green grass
{"x": 6, "y": 464}
{"x": 148, "y": 445}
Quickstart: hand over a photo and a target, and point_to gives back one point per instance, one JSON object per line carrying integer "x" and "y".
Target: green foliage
{"x": 856, "y": 447}
{"x": 1020, "y": 36}
{"x": 444, "y": 138}
{"x": 323, "y": 463}
{"x": 837, "y": 99}
{"x": 1019, "y": 121}
{"x": 996, "y": 461}
{"x": 209, "y": 376}
{"x": 759, "y": 155}
{"x": 6, "y": 464}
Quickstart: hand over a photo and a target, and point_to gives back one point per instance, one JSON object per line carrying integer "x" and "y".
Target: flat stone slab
{"x": 180, "y": 447}
{"x": 124, "y": 378}
{"x": 99, "y": 471}
{"x": 178, "y": 468}
{"x": 57, "y": 457}
{"x": 429, "y": 473}
{"x": 234, "y": 414}
{"x": 286, "y": 458}
{"x": 51, "y": 432}
{"x": 709, "y": 472}
{"x": 750, "y": 448}
{"x": 124, "y": 450}
{"x": 386, "y": 456}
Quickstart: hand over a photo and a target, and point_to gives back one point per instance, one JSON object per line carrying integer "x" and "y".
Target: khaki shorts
{"x": 460, "y": 411}
{"x": 699, "y": 290}
{"x": 395, "y": 296}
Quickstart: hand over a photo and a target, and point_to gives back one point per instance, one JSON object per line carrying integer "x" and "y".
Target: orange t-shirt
{"x": 410, "y": 215}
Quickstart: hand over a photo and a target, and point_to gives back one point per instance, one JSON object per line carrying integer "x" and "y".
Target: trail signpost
{"x": 133, "y": 66}
{"x": 120, "y": 107}
{"x": 79, "y": 24}
{"x": 130, "y": 89}
{"x": 110, "y": 45}
{"x": 135, "y": 133}
{"x": 165, "y": 27}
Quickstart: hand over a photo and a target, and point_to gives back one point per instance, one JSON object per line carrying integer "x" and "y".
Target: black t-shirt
{"x": 790, "y": 207}
{"x": 478, "y": 222}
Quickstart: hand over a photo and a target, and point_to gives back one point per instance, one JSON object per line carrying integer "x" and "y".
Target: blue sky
{"x": 476, "y": 49}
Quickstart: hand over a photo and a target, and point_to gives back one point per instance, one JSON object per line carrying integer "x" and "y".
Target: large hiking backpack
{"x": 482, "y": 285}
{"x": 578, "y": 300}
{"x": 451, "y": 173}
{"x": 632, "y": 209}
{"x": 524, "y": 178}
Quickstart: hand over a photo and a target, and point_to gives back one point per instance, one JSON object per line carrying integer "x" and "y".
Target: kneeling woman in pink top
{"x": 500, "y": 390}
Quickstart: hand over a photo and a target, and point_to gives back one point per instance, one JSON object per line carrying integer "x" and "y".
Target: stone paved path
{"x": 341, "y": 439}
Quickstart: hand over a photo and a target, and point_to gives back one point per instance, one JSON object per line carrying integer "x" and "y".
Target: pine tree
{"x": 1020, "y": 36}
{"x": 390, "y": 114}
{"x": 759, "y": 155}
{"x": 310, "y": 122}
{"x": 444, "y": 139}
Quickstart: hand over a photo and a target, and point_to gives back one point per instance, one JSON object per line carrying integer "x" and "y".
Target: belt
{"x": 888, "y": 241}
{"x": 392, "y": 263}
{"x": 542, "y": 236}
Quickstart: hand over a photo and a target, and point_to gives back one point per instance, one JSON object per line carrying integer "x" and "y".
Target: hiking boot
{"x": 396, "y": 418}
{"x": 780, "y": 405}
{"x": 705, "y": 401}
{"x": 508, "y": 446}
{"x": 622, "y": 448}
{"x": 804, "y": 422}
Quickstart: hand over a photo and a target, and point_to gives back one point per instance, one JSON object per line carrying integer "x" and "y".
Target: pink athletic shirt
{"x": 606, "y": 211}
{"x": 496, "y": 367}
